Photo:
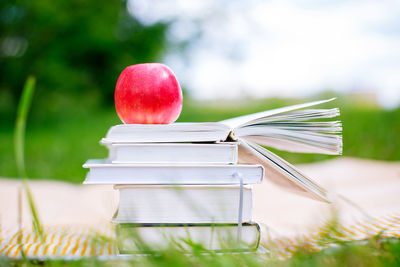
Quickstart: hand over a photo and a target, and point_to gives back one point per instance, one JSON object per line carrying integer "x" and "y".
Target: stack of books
{"x": 178, "y": 191}
{"x": 191, "y": 183}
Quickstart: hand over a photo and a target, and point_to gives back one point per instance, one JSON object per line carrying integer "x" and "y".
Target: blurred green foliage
{"x": 76, "y": 50}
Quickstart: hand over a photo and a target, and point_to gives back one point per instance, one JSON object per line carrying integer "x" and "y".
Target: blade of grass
{"x": 19, "y": 142}
{"x": 20, "y": 124}
{"x": 36, "y": 225}
{"x": 20, "y": 230}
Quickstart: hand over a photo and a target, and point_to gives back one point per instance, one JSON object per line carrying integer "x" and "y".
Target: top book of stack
{"x": 291, "y": 128}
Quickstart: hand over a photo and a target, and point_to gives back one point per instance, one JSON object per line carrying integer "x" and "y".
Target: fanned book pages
{"x": 292, "y": 128}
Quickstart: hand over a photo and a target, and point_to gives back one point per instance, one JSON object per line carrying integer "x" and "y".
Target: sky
{"x": 281, "y": 48}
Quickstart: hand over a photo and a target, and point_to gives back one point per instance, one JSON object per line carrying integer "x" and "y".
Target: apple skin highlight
{"x": 148, "y": 93}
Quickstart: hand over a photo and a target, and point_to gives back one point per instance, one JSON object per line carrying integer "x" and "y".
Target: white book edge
{"x": 173, "y": 153}
{"x": 184, "y": 204}
{"x": 102, "y": 172}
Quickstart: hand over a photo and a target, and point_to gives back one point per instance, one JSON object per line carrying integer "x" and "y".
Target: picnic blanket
{"x": 364, "y": 193}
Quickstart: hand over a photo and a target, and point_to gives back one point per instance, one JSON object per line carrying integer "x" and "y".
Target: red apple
{"x": 148, "y": 94}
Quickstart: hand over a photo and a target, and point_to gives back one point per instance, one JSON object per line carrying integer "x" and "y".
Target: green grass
{"x": 58, "y": 143}
{"x": 374, "y": 252}
{"x": 20, "y": 124}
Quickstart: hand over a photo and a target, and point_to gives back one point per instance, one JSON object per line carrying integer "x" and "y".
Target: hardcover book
{"x": 102, "y": 172}
{"x": 173, "y": 153}
{"x": 183, "y": 204}
{"x": 145, "y": 238}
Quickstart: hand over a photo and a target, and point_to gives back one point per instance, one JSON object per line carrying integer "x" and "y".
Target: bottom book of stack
{"x": 155, "y": 217}
{"x": 144, "y": 238}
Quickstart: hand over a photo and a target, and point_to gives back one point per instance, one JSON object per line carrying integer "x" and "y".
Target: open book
{"x": 291, "y": 128}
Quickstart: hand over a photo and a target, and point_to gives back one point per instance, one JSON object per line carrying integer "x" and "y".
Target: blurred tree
{"x": 75, "y": 48}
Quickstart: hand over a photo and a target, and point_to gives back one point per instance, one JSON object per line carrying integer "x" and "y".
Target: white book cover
{"x": 183, "y": 204}
{"x": 182, "y": 132}
{"x": 102, "y": 172}
{"x": 173, "y": 153}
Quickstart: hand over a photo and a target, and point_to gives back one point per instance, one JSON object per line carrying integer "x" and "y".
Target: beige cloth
{"x": 359, "y": 189}
{"x": 371, "y": 188}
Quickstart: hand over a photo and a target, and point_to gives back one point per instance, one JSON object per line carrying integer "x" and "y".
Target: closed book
{"x": 169, "y": 133}
{"x": 183, "y": 204}
{"x": 145, "y": 238}
{"x": 103, "y": 172}
{"x": 166, "y": 153}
